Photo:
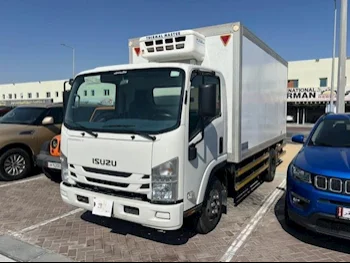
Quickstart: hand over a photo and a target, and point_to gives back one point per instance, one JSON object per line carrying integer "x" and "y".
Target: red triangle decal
{"x": 137, "y": 51}
{"x": 225, "y": 39}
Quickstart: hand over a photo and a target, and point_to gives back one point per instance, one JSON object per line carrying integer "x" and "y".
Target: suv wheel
{"x": 15, "y": 164}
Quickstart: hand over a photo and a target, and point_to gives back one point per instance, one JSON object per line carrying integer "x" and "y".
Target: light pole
{"x": 73, "y": 49}
{"x": 342, "y": 57}
{"x": 333, "y": 61}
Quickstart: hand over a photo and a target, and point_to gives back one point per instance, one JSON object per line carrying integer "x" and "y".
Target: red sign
{"x": 137, "y": 51}
{"x": 225, "y": 39}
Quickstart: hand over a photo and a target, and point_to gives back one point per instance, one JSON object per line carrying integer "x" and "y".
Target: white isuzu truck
{"x": 196, "y": 115}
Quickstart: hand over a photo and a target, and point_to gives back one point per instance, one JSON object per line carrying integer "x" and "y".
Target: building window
{"x": 29, "y": 95}
{"x": 106, "y": 92}
{"x": 15, "y": 96}
{"x": 293, "y": 83}
{"x": 57, "y": 94}
{"x": 323, "y": 82}
{"x": 92, "y": 93}
{"x": 10, "y": 96}
{"x": 37, "y": 95}
{"x": 85, "y": 93}
{"x": 48, "y": 95}
{"x": 21, "y": 95}
{"x": 3, "y": 96}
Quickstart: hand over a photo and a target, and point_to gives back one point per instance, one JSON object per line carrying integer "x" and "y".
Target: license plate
{"x": 52, "y": 165}
{"x": 102, "y": 207}
{"x": 344, "y": 213}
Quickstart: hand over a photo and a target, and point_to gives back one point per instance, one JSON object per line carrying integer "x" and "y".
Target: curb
{"x": 15, "y": 250}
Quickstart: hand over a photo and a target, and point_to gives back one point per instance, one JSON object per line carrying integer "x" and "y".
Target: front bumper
{"x": 45, "y": 160}
{"x": 164, "y": 217}
{"x": 323, "y": 224}
{"x": 318, "y": 209}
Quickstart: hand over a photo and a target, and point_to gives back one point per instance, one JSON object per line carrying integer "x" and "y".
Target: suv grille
{"x": 333, "y": 185}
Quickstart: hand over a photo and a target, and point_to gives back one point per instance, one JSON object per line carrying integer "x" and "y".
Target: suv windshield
{"x": 23, "y": 115}
{"x": 141, "y": 100}
{"x": 332, "y": 133}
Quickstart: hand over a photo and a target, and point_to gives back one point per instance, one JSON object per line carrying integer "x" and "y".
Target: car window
{"x": 57, "y": 114}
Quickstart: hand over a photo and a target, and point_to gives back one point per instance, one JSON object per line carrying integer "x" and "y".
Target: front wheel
{"x": 212, "y": 208}
{"x": 15, "y": 164}
{"x": 271, "y": 171}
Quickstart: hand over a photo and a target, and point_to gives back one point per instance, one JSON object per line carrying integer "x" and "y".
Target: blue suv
{"x": 318, "y": 179}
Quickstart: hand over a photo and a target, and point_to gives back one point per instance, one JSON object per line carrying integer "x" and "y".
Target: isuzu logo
{"x": 104, "y": 162}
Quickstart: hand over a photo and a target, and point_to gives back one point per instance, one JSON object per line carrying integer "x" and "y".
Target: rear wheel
{"x": 15, "y": 164}
{"x": 271, "y": 171}
{"x": 211, "y": 213}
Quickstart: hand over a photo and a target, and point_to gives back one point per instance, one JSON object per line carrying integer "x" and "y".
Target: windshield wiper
{"x": 85, "y": 129}
{"x": 143, "y": 134}
{"x": 324, "y": 144}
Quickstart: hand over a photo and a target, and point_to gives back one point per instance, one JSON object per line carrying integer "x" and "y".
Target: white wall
{"x": 22, "y": 90}
{"x": 309, "y": 72}
{"x": 39, "y": 90}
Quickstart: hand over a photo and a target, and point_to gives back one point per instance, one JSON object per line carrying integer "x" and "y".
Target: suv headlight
{"x": 301, "y": 175}
{"x": 165, "y": 182}
{"x": 65, "y": 171}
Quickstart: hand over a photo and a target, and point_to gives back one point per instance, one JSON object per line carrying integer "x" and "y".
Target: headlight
{"x": 301, "y": 175}
{"x": 64, "y": 171}
{"x": 54, "y": 143}
{"x": 165, "y": 182}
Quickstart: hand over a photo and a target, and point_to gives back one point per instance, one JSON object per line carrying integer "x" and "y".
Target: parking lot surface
{"x": 253, "y": 231}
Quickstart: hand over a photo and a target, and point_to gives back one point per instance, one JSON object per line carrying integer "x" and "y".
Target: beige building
{"x": 314, "y": 73}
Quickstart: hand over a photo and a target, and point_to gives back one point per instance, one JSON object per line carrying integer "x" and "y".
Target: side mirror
{"x": 47, "y": 121}
{"x": 207, "y": 100}
{"x": 298, "y": 138}
{"x": 70, "y": 82}
{"x": 66, "y": 94}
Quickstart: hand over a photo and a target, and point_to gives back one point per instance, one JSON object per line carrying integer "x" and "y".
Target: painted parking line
{"x": 44, "y": 223}
{"x": 242, "y": 237}
{"x": 23, "y": 181}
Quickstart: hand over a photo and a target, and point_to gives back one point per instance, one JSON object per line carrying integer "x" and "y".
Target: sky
{"x": 31, "y": 31}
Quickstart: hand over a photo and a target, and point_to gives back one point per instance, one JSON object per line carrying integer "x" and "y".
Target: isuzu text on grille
{"x": 104, "y": 162}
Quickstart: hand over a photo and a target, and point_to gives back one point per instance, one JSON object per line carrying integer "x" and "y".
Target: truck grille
{"x": 113, "y": 180}
{"x": 334, "y": 185}
{"x": 106, "y": 172}
{"x": 103, "y": 190}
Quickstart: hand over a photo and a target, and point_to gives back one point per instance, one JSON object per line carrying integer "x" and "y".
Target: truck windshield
{"x": 332, "y": 133}
{"x": 139, "y": 100}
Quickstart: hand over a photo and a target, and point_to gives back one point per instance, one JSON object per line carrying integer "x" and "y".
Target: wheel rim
{"x": 214, "y": 205}
{"x": 15, "y": 165}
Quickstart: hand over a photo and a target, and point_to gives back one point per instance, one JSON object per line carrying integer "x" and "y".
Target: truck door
{"x": 210, "y": 148}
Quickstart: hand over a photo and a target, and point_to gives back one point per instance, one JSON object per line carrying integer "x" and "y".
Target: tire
{"x": 54, "y": 176}
{"x": 22, "y": 161}
{"x": 271, "y": 171}
{"x": 204, "y": 223}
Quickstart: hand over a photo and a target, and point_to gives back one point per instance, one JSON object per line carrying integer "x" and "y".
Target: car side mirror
{"x": 70, "y": 82}
{"x": 47, "y": 121}
{"x": 207, "y": 100}
{"x": 300, "y": 138}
